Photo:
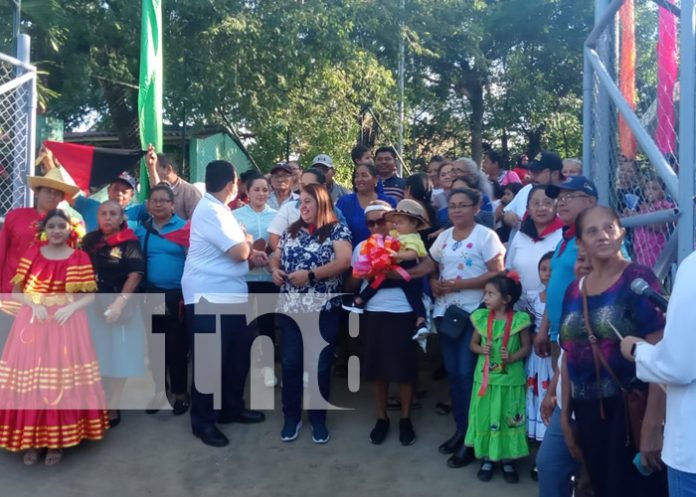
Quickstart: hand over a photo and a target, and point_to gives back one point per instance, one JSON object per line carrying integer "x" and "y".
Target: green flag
{"x": 150, "y": 87}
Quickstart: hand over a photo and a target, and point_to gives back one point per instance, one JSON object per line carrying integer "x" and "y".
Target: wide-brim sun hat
{"x": 412, "y": 209}
{"x": 56, "y": 178}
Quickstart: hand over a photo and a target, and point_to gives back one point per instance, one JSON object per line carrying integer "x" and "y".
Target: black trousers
{"x": 266, "y": 323}
{"x": 173, "y": 325}
{"x": 236, "y": 340}
{"x": 608, "y": 457}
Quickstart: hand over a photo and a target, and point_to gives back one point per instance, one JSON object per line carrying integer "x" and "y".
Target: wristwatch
{"x": 633, "y": 350}
{"x": 312, "y": 277}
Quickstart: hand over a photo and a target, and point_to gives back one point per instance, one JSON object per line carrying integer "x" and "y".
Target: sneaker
{"x": 320, "y": 434}
{"x": 406, "y": 434}
{"x": 353, "y": 306}
{"x": 269, "y": 377}
{"x": 291, "y": 430}
{"x": 379, "y": 432}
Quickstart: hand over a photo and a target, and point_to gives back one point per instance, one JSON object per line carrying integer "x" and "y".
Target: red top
{"x": 42, "y": 278}
{"x": 18, "y": 234}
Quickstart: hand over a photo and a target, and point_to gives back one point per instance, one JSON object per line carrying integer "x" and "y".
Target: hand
{"x": 448, "y": 286}
{"x": 504, "y": 354}
{"x": 299, "y": 278}
{"x": 151, "y": 157}
{"x": 259, "y": 258}
{"x": 278, "y": 276}
{"x": 398, "y": 257}
{"x": 435, "y": 287}
{"x": 38, "y": 313}
{"x": 569, "y": 437}
{"x": 486, "y": 349}
{"x": 547, "y": 407}
{"x": 113, "y": 312}
{"x": 511, "y": 219}
{"x": 651, "y": 439}
{"x": 63, "y": 314}
{"x": 542, "y": 344}
{"x": 626, "y": 346}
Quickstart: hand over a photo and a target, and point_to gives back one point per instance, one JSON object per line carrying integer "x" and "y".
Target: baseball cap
{"x": 281, "y": 166}
{"x": 324, "y": 160}
{"x": 127, "y": 179}
{"x": 546, "y": 160}
{"x": 573, "y": 183}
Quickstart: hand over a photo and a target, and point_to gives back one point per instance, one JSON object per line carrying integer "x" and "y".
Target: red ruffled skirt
{"x": 51, "y": 394}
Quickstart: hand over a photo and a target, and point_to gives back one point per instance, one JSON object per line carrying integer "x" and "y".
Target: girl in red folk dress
{"x": 51, "y": 395}
{"x": 19, "y": 229}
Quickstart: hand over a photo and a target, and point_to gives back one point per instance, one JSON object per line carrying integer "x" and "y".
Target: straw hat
{"x": 412, "y": 209}
{"x": 56, "y": 178}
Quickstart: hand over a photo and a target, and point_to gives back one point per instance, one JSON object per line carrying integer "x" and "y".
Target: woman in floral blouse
{"x": 312, "y": 254}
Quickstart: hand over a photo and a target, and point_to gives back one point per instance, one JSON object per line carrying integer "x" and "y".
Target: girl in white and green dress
{"x": 497, "y": 421}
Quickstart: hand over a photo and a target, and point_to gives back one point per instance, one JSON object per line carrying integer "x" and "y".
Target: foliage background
{"x": 296, "y": 74}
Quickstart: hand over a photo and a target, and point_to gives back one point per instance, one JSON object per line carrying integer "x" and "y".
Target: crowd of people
{"x": 517, "y": 275}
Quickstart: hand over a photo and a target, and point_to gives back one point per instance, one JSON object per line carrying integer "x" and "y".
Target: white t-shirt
{"x": 518, "y": 205}
{"x": 464, "y": 259}
{"x": 288, "y": 213}
{"x": 524, "y": 254}
{"x": 387, "y": 299}
{"x": 209, "y": 271}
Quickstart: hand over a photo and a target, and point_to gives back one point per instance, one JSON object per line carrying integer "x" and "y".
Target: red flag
{"x": 93, "y": 167}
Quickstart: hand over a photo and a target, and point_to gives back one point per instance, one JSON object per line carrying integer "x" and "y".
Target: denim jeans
{"x": 292, "y": 354}
{"x": 554, "y": 462}
{"x": 681, "y": 484}
{"x": 460, "y": 363}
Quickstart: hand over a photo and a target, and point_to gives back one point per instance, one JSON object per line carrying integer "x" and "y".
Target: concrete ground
{"x": 158, "y": 455}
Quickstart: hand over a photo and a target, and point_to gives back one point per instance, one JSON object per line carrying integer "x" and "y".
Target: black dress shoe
{"x": 453, "y": 444}
{"x": 212, "y": 436}
{"x": 246, "y": 417}
{"x": 180, "y": 406}
{"x": 114, "y": 422}
{"x": 463, "y": 457}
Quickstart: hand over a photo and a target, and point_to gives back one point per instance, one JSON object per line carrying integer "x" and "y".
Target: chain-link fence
{"x": 17, "y": 122}
{"x": 631, "y": 79}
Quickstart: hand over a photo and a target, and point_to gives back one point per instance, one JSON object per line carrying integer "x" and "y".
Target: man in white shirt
{"x": 545, "y": 169}
{"x": 290, "y": 211}
{"x": 671, "y": 362}
{"x": 219, "y": 257}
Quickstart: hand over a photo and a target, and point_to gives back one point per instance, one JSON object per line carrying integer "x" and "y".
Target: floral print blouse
{"x": 306, "y": 251}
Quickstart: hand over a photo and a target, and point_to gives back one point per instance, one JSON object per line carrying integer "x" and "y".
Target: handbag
{"x": 454, "y": 322}
{"x": 635, "y": 400}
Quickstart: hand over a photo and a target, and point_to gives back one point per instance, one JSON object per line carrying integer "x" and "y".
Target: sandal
{"x": 486, "y": 472}
{"x": 53, "y": 457}
{"x": 31, "y": 457}
{"x": 510, "y": 473}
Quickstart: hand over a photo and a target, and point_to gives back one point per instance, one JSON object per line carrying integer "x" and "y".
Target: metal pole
{"x": 26, "y": 111}
{"x": 587, "y": 103}
{"x": 687, "y": 128}
{"x": 602, "y": 125}
{"x": 16, "y": 23}
{"x": 402, "y": 63}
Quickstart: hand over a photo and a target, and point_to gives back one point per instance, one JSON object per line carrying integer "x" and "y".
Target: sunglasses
{"x": 378, "y": 222}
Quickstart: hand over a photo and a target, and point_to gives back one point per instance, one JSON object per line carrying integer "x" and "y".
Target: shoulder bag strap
{"x": 597, "y": 355}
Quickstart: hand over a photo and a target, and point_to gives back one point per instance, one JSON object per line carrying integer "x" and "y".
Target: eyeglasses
{"x": 570, "y": 196}
{"x": 377, "y": 222}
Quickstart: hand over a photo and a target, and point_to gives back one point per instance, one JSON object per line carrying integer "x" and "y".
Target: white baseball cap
{"x": 324, "y": 160}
